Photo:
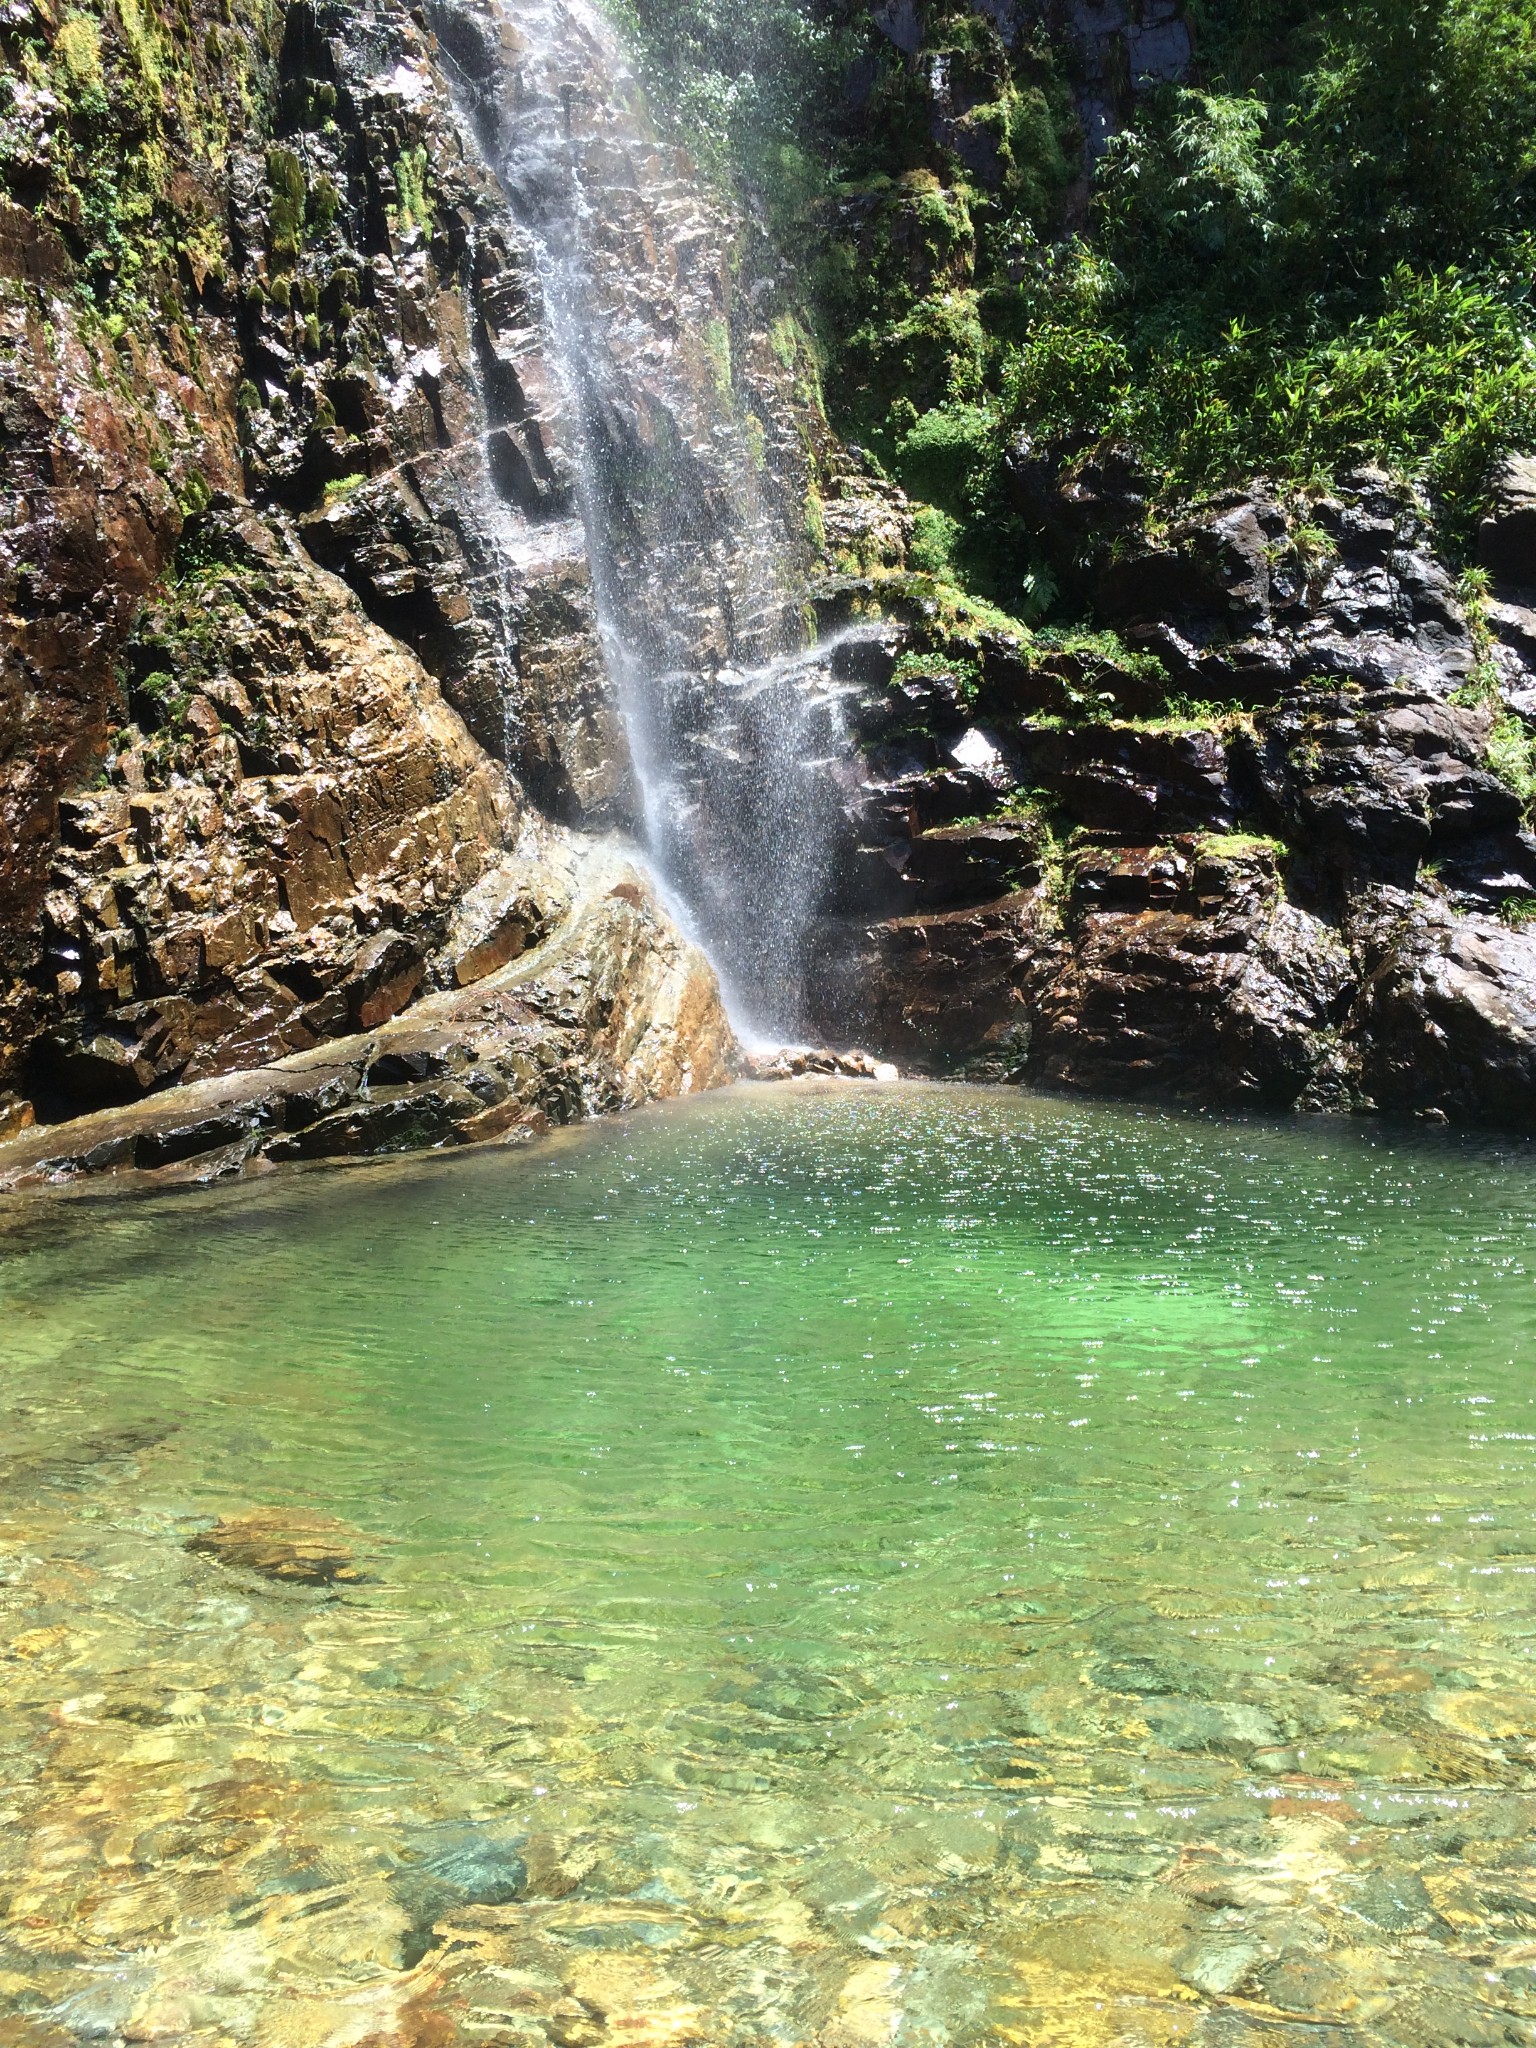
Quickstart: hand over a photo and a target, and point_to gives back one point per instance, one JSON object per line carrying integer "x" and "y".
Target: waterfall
{"x": 733, "y": 725}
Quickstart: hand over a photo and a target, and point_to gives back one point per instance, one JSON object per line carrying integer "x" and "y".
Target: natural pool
{"x": 903, "y": 1565}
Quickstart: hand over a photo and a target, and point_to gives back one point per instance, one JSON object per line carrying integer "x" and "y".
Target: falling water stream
{"x": 733, "y": 726}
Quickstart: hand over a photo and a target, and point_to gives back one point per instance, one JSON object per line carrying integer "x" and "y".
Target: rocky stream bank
{"x": 306, "y": 735}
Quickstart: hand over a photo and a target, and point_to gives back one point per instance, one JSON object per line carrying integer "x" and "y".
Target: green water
{"x": 904, "y": 1565}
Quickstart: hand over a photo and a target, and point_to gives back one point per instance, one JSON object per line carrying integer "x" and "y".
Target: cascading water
{"x": 733, "y": 726}
{"x": 757, "y": 844}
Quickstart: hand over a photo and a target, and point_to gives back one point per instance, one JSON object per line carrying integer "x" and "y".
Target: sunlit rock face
{"x": 601, "y": 1006}
{"x": 303, "y": 656}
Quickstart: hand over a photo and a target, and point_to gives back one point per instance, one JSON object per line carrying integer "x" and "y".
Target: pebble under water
{"x": 854, "y": 1565}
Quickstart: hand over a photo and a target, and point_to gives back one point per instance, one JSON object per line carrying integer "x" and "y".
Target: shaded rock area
{"x": 1119, "y": 52}
{"x": 1279, "y": 852}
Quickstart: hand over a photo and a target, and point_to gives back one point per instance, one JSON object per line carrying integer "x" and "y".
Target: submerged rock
{"x": 460, "y": 1864}
{"x": 292, "y": 1545}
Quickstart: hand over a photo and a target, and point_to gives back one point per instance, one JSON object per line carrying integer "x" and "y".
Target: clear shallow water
{"x": 904, "y": 1566}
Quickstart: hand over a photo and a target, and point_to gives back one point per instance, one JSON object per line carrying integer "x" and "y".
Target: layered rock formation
{"x": 302, "y": 660}
{"x": 1288, "y": 864}
{"x": 602, "y": 1009}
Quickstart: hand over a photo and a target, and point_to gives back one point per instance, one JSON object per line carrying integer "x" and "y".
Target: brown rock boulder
{"x": 1191, "y": 974}
{"x": 291, "y": 1545}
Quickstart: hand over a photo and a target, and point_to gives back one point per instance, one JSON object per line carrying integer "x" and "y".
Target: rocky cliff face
{"x": 302, "y": 670}
{"x": 313, "y": 714}
{"x": 1279, "y": 856}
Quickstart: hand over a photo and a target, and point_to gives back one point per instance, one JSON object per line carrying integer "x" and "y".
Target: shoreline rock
{"x": 614, "y": 1009}
{"x": 796, "y": 1062}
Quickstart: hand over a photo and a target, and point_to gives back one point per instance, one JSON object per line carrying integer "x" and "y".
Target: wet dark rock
{"x": 1486, "y": 872}
{"x": 94, "y": 1064}
{"x": 1120, "y": 779}
{"x": 867, "y": 658}
{"x": 1447, "y": 1016}
{"x": 1506, "y": 540}
{"x": 1219, "y": 566}
{"x": 1375, "y": 777}
{"x": 1192, "y": 973}
{"x": 912, "y": 789}
{"x": 413, "y": 1121}
{"x": 940, "y": 993}
{"x": 175, "y": 1142}
{"x": 959, "y": 864}
{"x": 1078, "y": 501}
{"x": 1247, "y": 595}
{"x": 918, "y": 702}
{"x": 1512, "y": 622}
{"x": 401, "y": 1069}
{"x": 385, "y": 975}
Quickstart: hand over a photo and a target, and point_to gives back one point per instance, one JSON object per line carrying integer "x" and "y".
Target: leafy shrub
{"x": 1511, "y": 754}
{"x": 943, "y": 450}
{"x": 1318, "y": 252}
{"x": 934, "y": 538}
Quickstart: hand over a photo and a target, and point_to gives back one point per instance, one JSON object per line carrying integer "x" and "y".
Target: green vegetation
{"x": 1482, "y": 683}
{"x": 103, "y": 110}
{"x": 940, "y": 666}
{"x": 340, "y": 488}
{"x": 1318, "y": 250}
{"x": 415, "y": 209}
{"x": 1242, "y": 846}
{"x": 1511, "y": 755}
